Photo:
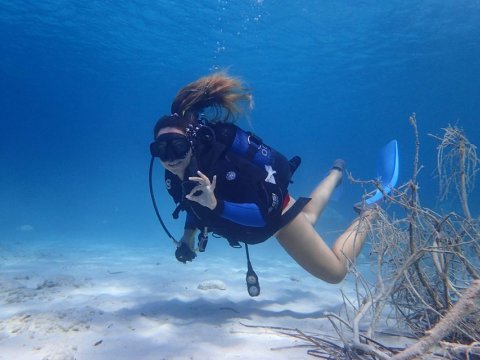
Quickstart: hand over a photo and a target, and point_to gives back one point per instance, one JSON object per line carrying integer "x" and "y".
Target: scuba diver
{"x": 231, "y": 184}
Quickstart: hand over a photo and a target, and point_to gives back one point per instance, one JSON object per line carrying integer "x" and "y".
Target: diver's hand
{"x": 184, "y": 253}
{"x": 203, "y": 192}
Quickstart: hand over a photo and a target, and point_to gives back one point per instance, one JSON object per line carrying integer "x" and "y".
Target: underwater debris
{"x": 427, "y": 271}
{"x": 212, "y": 285}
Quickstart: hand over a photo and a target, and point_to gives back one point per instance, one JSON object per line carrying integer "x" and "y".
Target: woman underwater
{"x": 228, "y": 194}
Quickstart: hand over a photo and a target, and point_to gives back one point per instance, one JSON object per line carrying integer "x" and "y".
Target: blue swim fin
{"x": 387, "y": 171}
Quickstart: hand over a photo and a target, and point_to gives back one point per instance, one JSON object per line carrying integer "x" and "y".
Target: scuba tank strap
{"x": 291, "y": 213}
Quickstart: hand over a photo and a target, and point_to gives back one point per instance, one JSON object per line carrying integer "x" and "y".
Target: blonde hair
{"x": 221, "y": 96}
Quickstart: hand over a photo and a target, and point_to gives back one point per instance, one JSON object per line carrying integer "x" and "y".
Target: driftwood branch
{"x": 466, "y": 305}
{"x": 427, "y": 265}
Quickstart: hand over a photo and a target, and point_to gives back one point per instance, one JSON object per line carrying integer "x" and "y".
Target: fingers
{"x": 214, "y": 182}
{"x": 203, "y": 176}
{"x": 203, "y": 193}
{"x": 202, "y": 179}
{"x": 194, "y": 190}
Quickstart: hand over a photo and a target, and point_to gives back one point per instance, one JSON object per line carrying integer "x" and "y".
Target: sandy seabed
{"x": 99, "y": 302}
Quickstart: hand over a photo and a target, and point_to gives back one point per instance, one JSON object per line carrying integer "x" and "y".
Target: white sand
{"x": 98, "y": 302}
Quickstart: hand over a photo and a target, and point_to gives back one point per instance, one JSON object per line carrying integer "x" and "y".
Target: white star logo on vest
{"x": 270, "y": 172}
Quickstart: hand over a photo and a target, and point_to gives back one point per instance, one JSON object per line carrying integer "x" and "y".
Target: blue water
{"x": 82, "y": 83}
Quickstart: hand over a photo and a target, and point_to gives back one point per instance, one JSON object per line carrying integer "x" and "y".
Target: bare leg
{"x": 300, "y": 239}
{"x": 321, "y": 195}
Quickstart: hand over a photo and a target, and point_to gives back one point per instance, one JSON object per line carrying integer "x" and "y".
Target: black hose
{"x": 152, "y": 196}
